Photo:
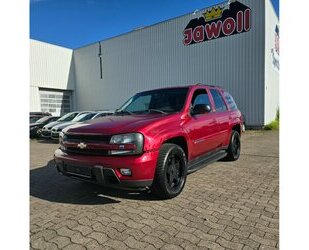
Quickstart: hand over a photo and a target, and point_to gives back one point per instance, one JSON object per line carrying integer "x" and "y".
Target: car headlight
{"x": 61, "y": 137}
{"x": 136, "y": 139}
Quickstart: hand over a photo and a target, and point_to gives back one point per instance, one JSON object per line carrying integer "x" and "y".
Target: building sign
{"x": 275, "y": 50}
{"x": 219, "y": 21}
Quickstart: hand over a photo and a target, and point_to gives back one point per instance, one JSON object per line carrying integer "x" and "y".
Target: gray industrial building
{"x": 234, "y": 45}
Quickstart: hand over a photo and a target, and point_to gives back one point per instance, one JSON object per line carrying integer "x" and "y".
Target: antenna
{"x": 100, "y": 57}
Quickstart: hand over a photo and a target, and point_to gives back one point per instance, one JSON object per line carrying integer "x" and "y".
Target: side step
{"x": 203, "y": 161}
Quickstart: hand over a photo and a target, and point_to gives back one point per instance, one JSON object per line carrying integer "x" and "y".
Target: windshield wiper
{"x": 157, "y": 110}
{"x": 124, "y": 112}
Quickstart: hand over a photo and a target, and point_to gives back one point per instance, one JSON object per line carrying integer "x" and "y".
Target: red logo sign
{"x": 218, "y": 22}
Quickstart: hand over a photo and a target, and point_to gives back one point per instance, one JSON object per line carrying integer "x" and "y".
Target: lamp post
{"x": 100, "y": 57}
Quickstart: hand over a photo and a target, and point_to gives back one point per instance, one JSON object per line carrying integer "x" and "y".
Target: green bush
{"x": 277, "y": 115}
{"x": 274, "y": 125}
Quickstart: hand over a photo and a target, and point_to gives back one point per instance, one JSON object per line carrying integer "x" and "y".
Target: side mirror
{"x": 200, "y": 109}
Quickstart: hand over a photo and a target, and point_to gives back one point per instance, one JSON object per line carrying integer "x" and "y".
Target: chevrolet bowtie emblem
{"x": 82, "y": 145}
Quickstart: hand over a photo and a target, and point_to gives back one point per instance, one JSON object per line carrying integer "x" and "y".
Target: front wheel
{"x": 233, "y": 151}
{"x": 171, "y": 172}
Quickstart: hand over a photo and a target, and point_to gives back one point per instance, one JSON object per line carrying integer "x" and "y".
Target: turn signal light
{"x": 126, "y": 171}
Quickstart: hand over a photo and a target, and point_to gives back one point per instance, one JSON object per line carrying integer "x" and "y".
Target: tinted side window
{"x": 218, "y": 100}
{"x": 230, "y": 101}
{"x": 200, "y": 96}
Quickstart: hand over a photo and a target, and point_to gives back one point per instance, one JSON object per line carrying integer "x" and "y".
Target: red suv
{"x": 154, "y": 140}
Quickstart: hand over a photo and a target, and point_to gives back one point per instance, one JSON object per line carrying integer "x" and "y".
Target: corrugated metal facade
{"x": 155, "y": 57}
{"x": 34, "y": 99}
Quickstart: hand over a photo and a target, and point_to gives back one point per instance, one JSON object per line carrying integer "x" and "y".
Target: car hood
{"x": 117, "y": 124}
{"x": 35, "y": 124}
{"x": 63, "y": 125}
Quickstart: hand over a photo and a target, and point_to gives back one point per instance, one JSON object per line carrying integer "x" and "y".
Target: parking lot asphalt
{"x": 232, "y": 205}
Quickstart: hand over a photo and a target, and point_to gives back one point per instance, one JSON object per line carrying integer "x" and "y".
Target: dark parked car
{"x": 40, "y": 113}
{"x": 154, "y": 140}
{"x": 36, "y": 128}
{"x": 34, "y": 116}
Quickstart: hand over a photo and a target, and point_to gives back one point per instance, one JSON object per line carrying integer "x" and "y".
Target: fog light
{"x": 126, "y": 171}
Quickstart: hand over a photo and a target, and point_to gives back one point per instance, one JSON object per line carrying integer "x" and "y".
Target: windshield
{"x": 156, "y": 101}
{"x": 68, "y": 117}
{"x": 43, "y": 119}
{"x": 84, "y": 117}
{"x": 33, "y": 119}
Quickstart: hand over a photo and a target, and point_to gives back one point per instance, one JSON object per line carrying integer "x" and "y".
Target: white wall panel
{"x": 271, "y": 71}
{"x": 34, "y": 99}
{"x": 50, "y": 66}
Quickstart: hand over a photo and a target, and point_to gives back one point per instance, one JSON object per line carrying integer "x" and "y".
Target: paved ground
{"x": 225, "y": 205}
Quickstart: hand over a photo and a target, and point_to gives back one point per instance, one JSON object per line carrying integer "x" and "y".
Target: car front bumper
{"x": 46, "y": 133}
{"x": 35, "y": 132}
{"x": 55, "y": 135}
{"x": 105, "y": 170}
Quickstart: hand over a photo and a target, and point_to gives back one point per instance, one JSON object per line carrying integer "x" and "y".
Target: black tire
{"x": 38, "y": 133}
{"x": 171, "y": 172}
{"x": 233, "y": 151}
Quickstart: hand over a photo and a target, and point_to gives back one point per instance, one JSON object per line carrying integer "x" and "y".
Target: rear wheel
{"x": 171, "y": 172}
{"x": 233, "y": 151}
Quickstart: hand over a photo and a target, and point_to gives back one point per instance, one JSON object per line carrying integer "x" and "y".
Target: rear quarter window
{"x": 230, "y": 101}
{"x": 218, "y": 100}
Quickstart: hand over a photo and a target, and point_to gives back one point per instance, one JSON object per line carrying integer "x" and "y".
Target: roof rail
{"x": 202, "y": 84}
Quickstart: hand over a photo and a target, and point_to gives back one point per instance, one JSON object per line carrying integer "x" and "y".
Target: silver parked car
{"x": 46, "y": 130}
{"x": 55, "y": 131}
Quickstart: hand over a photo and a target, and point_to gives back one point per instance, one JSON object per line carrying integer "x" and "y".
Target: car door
{"x": 221, "y": 116}
{"x": 201, "y": 128}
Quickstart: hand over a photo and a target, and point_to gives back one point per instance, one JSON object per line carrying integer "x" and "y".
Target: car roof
{"x": 84, "y": 112}
{"x": 186, "y": 86}
{"x": 105, "y": 111}
{"x": 40, "y": 113}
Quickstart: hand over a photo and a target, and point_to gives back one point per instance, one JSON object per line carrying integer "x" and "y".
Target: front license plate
{"x": 78, "y": 170}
